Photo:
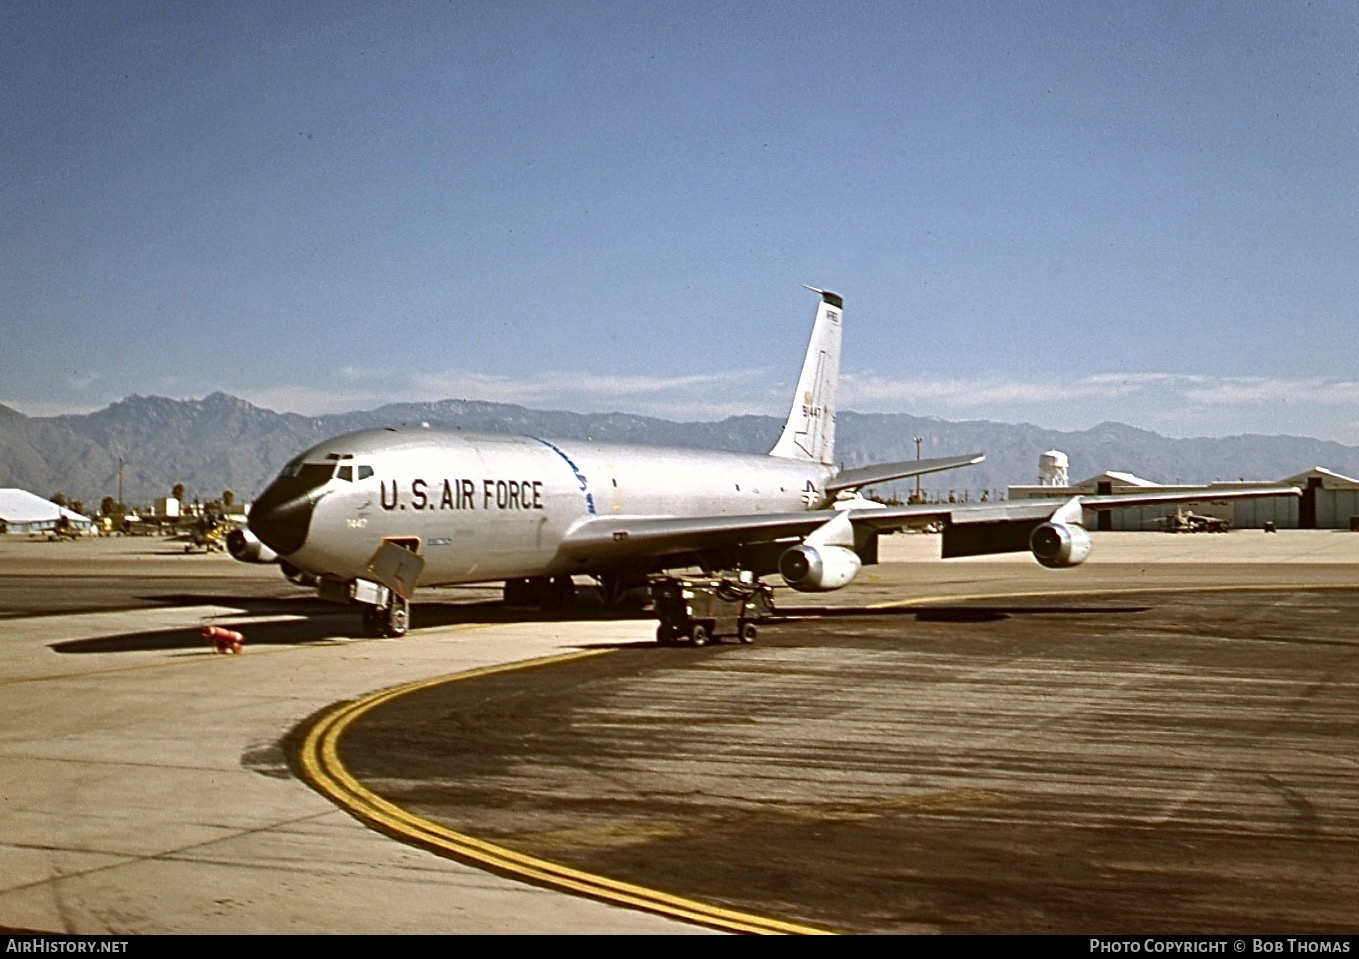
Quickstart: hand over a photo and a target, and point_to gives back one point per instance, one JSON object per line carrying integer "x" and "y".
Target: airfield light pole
{"x": 918, "y": 441}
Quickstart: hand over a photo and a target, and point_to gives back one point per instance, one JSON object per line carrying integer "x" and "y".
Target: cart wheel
{"x": 698, "y": 634}
{"x": 665, "y": 635}
{"x": 748, "y": 633}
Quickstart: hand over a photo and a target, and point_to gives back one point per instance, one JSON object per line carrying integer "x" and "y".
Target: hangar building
{"x": 25, "y": 512}
{"x": 1329, "y": 500}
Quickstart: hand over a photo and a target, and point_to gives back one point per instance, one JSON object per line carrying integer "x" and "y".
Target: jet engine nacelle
{"x": 243, "y": 545}
{"x": 819, "y": 569}
{"x": 1058, "y": 545}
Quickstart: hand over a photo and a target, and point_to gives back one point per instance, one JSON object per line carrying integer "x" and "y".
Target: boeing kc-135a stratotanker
{"x": 369, "y": 516}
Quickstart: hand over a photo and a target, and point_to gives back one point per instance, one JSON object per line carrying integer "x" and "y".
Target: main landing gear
{"x": 560, "y": 592}
{"x": 542, "y": 592}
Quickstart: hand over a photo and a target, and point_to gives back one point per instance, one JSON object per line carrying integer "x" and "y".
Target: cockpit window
{"x": 338, "y": 465}
{"x": 301, "y": 479}
{"x": 315, "y": 474}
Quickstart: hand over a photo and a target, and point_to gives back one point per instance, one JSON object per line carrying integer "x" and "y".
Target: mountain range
{"x": 222, "y": 442}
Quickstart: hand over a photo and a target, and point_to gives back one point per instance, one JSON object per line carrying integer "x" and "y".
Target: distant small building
{"x": 25, "y": 512}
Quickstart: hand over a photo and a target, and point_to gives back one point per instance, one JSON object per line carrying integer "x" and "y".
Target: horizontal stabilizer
{"x": 868, "y": 475}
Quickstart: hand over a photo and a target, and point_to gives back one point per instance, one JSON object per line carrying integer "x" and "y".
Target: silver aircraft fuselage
{"x": 485, "y": 507}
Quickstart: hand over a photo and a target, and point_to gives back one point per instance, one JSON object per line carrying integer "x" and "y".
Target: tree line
{"x": 110, "y": 506}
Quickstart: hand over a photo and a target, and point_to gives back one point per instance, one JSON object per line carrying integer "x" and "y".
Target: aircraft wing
{"x": 619, "y": 537}
{"x": 1045, "y": 509}
{"x": 882, "y": 472}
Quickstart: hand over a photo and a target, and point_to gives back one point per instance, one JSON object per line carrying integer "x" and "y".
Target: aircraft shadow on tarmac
{"x": 435, "y": 613}
{"x": 963, "y": 613}
{"x": 311, "y": 621}
{"x": 494, "y": 611}
{"x": 319, "y": 622}
{"x": 284, "y": 633}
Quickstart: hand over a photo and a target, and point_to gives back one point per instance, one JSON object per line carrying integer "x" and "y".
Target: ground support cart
{"x": 696, "y": 610}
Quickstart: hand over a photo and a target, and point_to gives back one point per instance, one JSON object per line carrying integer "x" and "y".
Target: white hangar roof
{"x": 19, "y": 506}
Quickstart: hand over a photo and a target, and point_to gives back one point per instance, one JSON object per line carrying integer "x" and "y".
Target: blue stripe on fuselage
{"x": 580, "y": 477}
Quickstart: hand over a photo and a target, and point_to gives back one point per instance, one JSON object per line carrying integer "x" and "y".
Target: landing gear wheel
{"x": 518, "y": 592}
{"x": 698, "y": 634}
{"x": 624, "y": 589}
{"x": 560, "y": 593}
{"x": 396, "y": 618}
{"x": 748, "y": 632}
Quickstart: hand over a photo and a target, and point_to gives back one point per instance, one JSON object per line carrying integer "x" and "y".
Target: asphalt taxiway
{"x": 1164, "y": 739}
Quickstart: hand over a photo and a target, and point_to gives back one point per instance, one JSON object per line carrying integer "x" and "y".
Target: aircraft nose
{"x": 281, "y": 518}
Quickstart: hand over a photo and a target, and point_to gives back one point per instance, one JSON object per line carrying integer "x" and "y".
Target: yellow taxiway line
{"x": 327, "y": 773}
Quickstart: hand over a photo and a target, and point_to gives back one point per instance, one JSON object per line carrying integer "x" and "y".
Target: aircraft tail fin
{"x": 809, "y": 433}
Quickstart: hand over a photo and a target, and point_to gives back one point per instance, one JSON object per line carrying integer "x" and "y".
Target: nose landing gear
{"x": 397, "y": 567}
{"x": 390, "y": 620}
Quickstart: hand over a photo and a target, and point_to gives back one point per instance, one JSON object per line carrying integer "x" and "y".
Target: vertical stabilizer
{"x": 809, "y": 433}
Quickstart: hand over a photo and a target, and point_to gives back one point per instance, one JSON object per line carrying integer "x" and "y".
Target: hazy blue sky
{"x": 1054, "y": 213}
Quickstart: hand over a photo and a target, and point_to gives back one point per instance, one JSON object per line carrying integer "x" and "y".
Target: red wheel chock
{"x": 222, "y": 640}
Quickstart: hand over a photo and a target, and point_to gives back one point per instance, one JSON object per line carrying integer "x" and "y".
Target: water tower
{"x": 1052, "y": 469}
